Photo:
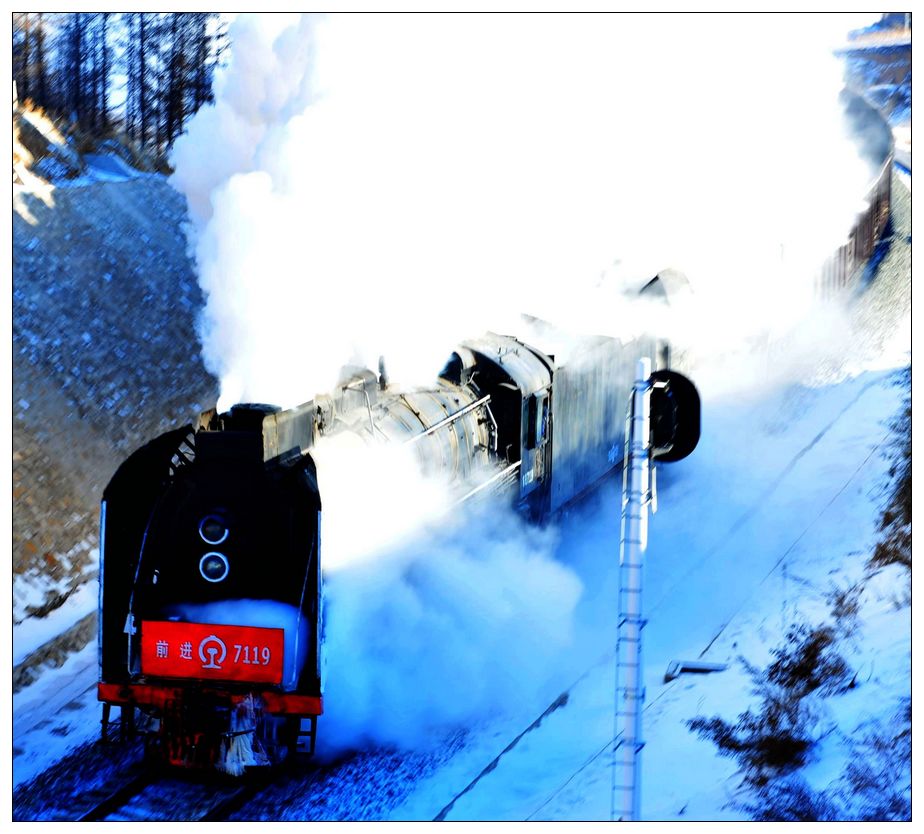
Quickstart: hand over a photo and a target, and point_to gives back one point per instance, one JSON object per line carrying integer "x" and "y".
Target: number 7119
{"x": 252, "y": 654}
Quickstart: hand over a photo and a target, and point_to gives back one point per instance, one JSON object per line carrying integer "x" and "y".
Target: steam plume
{"x": 368, "y": 185}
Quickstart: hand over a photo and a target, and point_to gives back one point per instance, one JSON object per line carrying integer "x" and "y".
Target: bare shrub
{"x": 845, "y": 605}
{"x": 792, "y": 800}
{"x": 895, "y": 546}
{"x": 767, "y": 743}
{"x": 808, "y": 662}
{"x": 894, "y": 549}
{"x": 777, "y": 738}
{"x": 877, "y": 779}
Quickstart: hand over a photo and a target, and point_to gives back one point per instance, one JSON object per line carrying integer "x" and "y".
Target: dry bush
{"x": 792, "y": 800}
{"x": 767, "y": 743}
{"x": 895, "y": 546}
{"x": 808, "y": 662}
{"x": 778, "y": 737}
{"x": 845, "y": 605}
{"x": 82, "y": 140}
{"x": 894, "y": 549}
{"x": 877, "y": 780}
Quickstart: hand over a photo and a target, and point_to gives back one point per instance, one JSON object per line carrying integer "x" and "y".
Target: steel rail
{"x": 119, "y": 797}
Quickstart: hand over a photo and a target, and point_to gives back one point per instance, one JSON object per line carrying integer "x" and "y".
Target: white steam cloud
{"x": 460, "y": 621}
{"x": 368, "y": 185}
{"x": 436, "y": 615}
{"x": 390, "y": 185}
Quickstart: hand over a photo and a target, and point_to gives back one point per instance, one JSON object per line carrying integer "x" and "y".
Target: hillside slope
{"x": 104, "y": 357}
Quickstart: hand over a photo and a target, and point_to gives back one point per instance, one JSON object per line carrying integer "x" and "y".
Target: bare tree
{"x": 69, "y": 62}
{"x": 23, "y": 80}
{"x": 39, "y": 69}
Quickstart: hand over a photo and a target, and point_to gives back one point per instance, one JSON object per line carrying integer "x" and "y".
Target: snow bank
{"x": 34, "y": 632}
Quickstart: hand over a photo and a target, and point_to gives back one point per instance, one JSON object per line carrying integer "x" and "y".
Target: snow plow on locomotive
{"x": 211, "y": 615}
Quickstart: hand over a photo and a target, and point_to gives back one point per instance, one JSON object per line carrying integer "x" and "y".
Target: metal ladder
{"x": 630, "y": 689}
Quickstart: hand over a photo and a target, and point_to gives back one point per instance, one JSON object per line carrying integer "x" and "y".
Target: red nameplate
{"x": 214, "y": 652}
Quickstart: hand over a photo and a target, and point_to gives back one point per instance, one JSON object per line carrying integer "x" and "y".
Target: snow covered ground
{"x": 34, "y": 632}
{"x": 777, "y": 506}
{"x": 104, "y": 167}
{"x": 55, "y": 715}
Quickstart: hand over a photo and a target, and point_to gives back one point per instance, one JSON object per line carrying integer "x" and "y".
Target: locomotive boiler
{"x": 211, "y": 615}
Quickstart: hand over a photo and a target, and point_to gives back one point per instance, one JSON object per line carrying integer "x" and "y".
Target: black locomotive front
{"x": 210, "y": 593}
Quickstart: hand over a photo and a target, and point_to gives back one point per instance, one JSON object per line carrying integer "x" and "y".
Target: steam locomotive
{"x": 211, "y": 617}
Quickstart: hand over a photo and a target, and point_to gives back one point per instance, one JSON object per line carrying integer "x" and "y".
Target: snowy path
{"x": 108, "y": 167}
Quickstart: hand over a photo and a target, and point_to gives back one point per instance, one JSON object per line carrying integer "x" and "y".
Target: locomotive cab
{"x": 518, "y": 379}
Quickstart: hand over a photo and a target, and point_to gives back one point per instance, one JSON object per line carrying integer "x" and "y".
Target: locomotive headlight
{"x": 213, "y": 567}
{"x": 213, "y": 530}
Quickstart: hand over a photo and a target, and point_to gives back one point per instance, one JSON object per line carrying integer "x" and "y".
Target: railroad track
{"x": 152, "y": 795}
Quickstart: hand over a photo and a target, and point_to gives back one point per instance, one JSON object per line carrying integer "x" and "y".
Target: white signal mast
{"x": 637, "y": 494}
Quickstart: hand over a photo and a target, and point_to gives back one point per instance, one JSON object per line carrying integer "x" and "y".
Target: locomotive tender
{"x": 210, "y": 564}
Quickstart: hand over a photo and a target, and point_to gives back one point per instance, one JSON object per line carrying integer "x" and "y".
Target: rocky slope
{"x": 104, "y": 357}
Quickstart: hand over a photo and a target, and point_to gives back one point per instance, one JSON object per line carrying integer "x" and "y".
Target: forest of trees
{"x": 144, "y": 73}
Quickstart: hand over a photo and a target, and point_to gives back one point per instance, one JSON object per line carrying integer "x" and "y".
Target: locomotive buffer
{"x": 662, "y": 423}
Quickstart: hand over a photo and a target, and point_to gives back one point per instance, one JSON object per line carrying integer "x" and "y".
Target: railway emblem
{"x": 212, "y": 646}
